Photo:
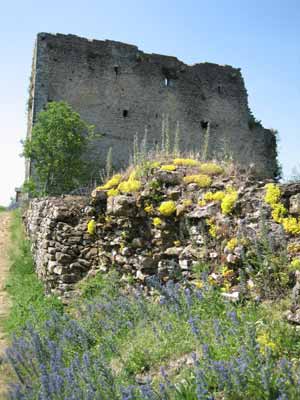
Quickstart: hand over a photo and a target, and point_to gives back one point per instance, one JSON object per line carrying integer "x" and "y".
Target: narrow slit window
{"x": 125, "y": 113}
{"x": 204, "y": 124}
{"x": 167, "y": 82}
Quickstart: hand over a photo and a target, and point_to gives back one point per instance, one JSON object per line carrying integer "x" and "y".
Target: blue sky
{"x": 261, "y": 37}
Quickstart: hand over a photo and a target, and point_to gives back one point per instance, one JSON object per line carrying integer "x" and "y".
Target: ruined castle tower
{"x": 123, "y": 92}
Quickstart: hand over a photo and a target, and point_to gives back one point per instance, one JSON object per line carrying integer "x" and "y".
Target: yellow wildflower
{"x": 228, "y": 201}
{"x": 273, "y": 193}
{"x": 291, "y": 225}
{"x": 265, "y": 343}
{"x": 213, "y": 230}
{"x": 201, "y": 203}
{"x": 149, "y": 208}
{"x": 157, "y": 221}
{"x": 295, "y": 264}
{"x": 198, "y": 283}
{"x": 114, "y": 181}
{"x": 129, "y": 186}
{"x": 279, "y": 211}
{"x": 168, "y": 167}
{"x": 91, "y": 227}
{"x": 167, "y": 208}
{"x": 217, "y": 196}
{"x": 226, "y": 272}
{"x": 186, "y": 161}
{"x": 232, "y": 244}
{"x": 201, "y": 180}
{"x": 113, "y": 192}
{"x": 211, "y": 169}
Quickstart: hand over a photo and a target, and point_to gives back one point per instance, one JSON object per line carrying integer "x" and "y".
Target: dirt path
{"x": 4, "y": 301}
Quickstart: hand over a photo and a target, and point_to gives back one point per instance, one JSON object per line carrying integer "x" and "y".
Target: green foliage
{"x": 59, "y": 139}
{"x": 30, "y": 187}
{"x": 2, "y": 208}
{"x": 29, "y": 302}
{"x": 130, "y": 336}
{"x": 269, "y": 269}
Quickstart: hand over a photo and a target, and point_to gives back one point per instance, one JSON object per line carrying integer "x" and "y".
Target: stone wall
{"x": 125, "y": 235}
{"x": 124, "y": 91}
{"x": 63, "y": 251}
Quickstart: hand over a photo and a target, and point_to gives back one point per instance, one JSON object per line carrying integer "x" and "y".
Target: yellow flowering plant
{"x": 278, "y": 213}
{"x": 211, "y": 169}
{"x": 202, "y": 181}
{"x": 157, "y": 221}
{"x": 232, "y": 244}
{"x": 265, "y": 343}
{"x": 149, "y": 208}
{"x": 113, "y": 192}
{"x": 129, "y": 186}
{"x": 167, "y": 208}
{"x": 229, "y": 201}
{"x": 189, "y": 162}
{"x": 295, "y": 264}
{"x": 213, "y": 230}
{"x": 272, "y": 197}
{"x": 216, "y": 196}
{"x": 273, "y": 193}
{"x": 91, "y": 227}
{"x": 202, "y": 203}
{"x": 112, "y": 182}
{"x": 168, "y": 167}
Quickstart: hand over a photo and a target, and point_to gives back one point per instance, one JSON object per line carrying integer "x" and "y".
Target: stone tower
{"x": 124, "y": 91}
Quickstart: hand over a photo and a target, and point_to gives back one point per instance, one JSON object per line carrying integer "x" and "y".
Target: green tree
{"x": 56, "y": 147}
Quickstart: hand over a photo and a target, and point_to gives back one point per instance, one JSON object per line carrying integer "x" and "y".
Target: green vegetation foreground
{"x": 4, "y": 301}
{"x": 113, "y": 343}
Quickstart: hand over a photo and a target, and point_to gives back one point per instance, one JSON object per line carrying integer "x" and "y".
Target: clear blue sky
{"x": 262, "y": 37}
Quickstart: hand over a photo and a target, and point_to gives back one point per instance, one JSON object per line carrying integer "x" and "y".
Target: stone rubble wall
{"x": 63, "y": 251}
{"x": 125, "y": 237}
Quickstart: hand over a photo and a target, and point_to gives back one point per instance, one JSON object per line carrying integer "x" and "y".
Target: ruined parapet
{"x": 125, "y": 92}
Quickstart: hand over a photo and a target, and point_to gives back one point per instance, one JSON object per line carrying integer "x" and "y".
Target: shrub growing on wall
{"x": 58, "y": 141}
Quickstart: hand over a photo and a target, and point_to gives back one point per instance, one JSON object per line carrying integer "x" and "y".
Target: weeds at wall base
{"x": 24, "y": 288}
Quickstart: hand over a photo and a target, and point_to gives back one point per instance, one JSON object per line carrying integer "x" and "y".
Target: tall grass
{"x": 24, "y": 288}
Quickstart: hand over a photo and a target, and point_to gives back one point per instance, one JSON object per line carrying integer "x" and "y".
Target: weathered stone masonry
{"x": 125, "y": 237}
{"x": 123, "y": 91}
